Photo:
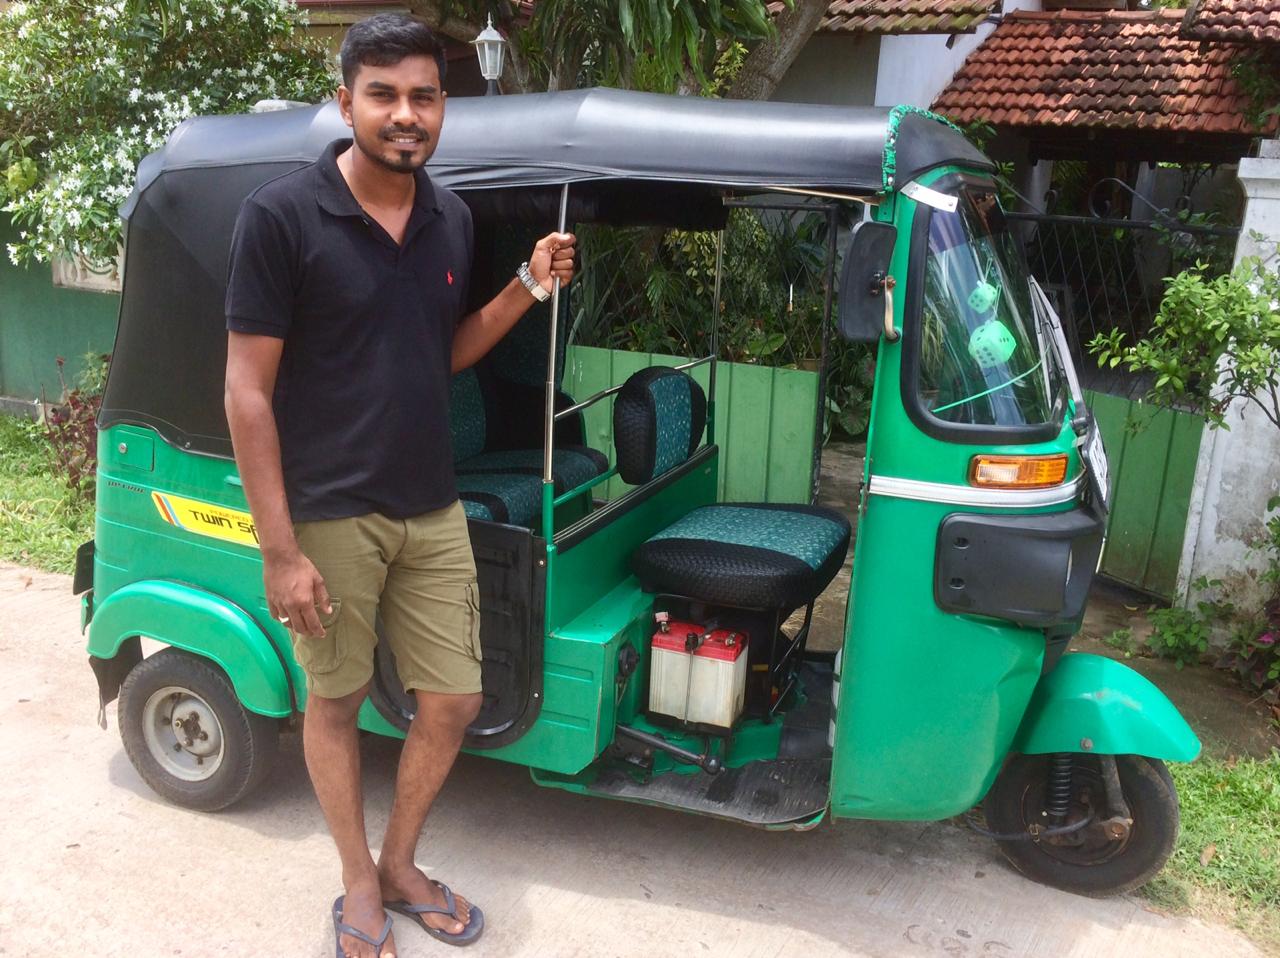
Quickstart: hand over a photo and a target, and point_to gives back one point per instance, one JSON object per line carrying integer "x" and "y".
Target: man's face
{"x": 395, "y": 112}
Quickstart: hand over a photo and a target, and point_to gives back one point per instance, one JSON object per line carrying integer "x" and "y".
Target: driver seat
{"x": 750, "y": 555}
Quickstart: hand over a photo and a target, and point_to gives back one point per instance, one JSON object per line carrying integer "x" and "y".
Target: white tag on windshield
{"x": 939, "y": 201}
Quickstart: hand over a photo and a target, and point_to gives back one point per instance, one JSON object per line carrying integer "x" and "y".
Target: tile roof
{"x": 902, "y": 16}
{"x": 1102, "y": 70}
{"x": 1233, "y": 21}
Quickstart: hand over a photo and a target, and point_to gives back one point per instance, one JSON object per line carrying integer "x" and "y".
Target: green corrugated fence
{"x": 1152, "y": 454}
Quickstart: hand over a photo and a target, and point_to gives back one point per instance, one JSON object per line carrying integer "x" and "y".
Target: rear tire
{"x": 187, "y": 734}
{"x": 1087, "y": 862}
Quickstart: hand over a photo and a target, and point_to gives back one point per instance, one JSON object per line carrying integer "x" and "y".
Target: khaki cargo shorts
{"x": 420, "y": 574}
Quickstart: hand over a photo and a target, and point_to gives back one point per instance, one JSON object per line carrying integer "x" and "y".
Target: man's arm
{"x": 478, "y": 332}
{"x": 294, "y": 587}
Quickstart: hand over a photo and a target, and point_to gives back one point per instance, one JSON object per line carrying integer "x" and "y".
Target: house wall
{"x": 40, "y": 322}
{"x": 833, "y": 69}
{"x": 914, "y": 68}
{"x": 1235, "y": 471}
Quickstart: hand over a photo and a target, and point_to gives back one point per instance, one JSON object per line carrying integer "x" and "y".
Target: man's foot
{"x": 362, "y": 910}
{"x": 412, "y": 886}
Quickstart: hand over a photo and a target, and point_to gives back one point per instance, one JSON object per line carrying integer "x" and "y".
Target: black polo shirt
{"x": 362, "y": 396}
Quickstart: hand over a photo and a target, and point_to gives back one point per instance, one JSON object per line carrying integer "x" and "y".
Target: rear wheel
{"x": 1104, "y": 856}
{"x": 187, "y": 734}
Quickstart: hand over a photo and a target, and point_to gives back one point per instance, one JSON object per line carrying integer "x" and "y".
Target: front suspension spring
{"x": 1058, "y": 789}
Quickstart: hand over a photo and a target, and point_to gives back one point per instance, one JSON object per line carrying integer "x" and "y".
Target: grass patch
{"x": 42, "y": 522}
{"x": 1227, "y": 861}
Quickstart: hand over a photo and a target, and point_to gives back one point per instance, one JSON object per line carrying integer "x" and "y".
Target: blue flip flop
{"x": 465, "y": 937}
{"x": 340, "y": 929}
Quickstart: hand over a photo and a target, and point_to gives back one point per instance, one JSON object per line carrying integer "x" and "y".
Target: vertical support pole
{"x": 820, "y": 418}
{"x": 715, "y": 340}
{"x": 549, "y": 418}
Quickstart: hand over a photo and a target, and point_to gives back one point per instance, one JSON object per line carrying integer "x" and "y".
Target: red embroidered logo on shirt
{"x": 449, "y": 274}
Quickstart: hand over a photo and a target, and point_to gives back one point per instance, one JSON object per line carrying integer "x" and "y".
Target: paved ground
{"x": 94, "y": 864}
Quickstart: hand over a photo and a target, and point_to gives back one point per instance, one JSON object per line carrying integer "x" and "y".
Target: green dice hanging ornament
{"x": 991, "y": 344}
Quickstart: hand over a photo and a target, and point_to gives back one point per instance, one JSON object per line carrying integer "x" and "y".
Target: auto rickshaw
{"x": 652, "y": 647}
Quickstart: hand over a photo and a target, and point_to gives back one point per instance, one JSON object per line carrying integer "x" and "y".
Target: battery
{"x": 698, "y": 676}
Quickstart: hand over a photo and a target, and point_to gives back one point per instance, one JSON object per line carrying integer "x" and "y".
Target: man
{"x": 346, "y": 284}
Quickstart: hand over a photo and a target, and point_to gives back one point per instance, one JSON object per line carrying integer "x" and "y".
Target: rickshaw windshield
{"x": 982, "y": 361}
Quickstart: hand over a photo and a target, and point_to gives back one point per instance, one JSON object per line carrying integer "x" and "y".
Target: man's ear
{"x": 344, "y": 104}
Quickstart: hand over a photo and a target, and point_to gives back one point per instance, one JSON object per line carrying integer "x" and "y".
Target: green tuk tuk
{"x": 652, "y": 647}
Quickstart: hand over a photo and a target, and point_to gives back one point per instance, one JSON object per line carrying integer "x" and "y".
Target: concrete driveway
{"x": 93, "y": 863}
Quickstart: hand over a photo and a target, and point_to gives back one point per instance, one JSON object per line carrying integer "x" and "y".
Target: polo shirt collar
{"x": 334, "y": 196}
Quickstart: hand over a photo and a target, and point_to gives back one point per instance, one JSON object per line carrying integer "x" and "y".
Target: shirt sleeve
{"x": 260, "y": 280}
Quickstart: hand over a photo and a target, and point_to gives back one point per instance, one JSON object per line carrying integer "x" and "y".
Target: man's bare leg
{"x": 331, "y": 744}
{"x": 435, "y": 735}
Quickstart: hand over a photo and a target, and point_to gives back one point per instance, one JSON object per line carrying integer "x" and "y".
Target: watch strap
{"x": 532, "y": 285}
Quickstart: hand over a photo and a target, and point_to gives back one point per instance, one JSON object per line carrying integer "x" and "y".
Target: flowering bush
{"x": 88, "y": 87}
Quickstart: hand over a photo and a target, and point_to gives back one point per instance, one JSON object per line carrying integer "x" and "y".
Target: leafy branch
{"x": 1216, "y": 340}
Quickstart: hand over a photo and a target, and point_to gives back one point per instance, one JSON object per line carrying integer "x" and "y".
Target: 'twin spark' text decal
{"x": 206, "y": 519}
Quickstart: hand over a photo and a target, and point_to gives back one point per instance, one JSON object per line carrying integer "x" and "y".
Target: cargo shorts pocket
{"x": 473, "y": 623}
{"x": 318, "y": 654}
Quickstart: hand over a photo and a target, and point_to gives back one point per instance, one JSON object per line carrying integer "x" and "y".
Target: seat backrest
{"x": 658, "y": 418}
{"x": 468, "y": 422}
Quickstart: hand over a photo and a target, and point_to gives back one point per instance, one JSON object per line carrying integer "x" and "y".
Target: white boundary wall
{"x": 1238, "y": 470}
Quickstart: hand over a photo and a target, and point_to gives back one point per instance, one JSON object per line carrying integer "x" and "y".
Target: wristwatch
{"x": 532, "y": 285}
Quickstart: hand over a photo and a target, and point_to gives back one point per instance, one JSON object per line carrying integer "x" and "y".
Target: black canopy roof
{"x": 633, "y": 157}
{"x": 545, "y": 139}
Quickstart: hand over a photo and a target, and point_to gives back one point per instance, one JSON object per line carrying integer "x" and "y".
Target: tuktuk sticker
{"x": 207, "y": 519}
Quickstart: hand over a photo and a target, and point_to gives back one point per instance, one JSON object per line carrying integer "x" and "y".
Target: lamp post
{"x": 490, "y": 49}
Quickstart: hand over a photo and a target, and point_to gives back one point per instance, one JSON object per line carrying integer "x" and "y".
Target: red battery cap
{"x": 722, "y": 644}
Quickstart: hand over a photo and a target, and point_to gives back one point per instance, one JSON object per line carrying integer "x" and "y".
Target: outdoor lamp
{"x": 490, "y": 49}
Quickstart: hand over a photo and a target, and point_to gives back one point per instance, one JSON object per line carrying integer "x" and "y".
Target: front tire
{"x": 187, "y": 734}
{"x": 1089, "y": 861}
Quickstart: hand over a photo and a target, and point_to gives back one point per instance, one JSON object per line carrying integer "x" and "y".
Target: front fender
{"x": 200, "y": 622}
{"x": 1118, "y": 712}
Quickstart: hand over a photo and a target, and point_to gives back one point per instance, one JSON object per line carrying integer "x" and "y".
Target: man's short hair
{"x": 386, "y": 39}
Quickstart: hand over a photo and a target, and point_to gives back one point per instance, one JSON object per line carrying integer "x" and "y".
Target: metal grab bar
{"x": 576, "y": 407}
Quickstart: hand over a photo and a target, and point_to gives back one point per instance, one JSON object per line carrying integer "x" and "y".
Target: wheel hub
{"x": 183, "y": 733}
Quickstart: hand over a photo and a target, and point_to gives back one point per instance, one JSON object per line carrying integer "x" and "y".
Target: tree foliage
{"x": 88, "y": 87}
{"x": 653, "y": 45}
{"x": 1216, "y": 340}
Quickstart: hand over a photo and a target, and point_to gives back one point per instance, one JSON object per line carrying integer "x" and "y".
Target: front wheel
{"x": 187, "y": 734}
{"x": 1098, "y": 858}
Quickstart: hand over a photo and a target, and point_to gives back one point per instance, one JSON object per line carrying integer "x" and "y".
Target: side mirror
{"x": 862, "y": 291}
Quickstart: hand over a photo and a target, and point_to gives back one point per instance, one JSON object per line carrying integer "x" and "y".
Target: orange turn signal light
{"x": 1017, "y": 472}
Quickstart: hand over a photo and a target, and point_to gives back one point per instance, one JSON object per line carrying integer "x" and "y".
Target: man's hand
{"x": 295, "y": 590}
{"x": 552, "y": 259}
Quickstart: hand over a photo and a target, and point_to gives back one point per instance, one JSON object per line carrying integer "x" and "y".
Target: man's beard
{"x": 406, "y": 161}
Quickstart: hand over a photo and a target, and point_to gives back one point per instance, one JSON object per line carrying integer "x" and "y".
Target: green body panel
{"x": 1152, "y": 454}
{"x": 929, "y": 702}
{"x": 594, "y": 605}
{"x": 189, "y": 618}
{"x": 223, "y": 602}
{"x": 579, "y": 671}
{"x": 1118, "y": 712}
{"x": 40, "y": 322}
{"x": 765, "y": 425}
